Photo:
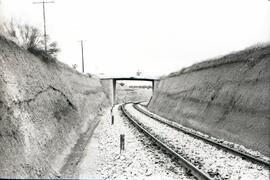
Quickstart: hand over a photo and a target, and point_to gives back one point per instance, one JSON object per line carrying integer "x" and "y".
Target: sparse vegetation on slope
{"x": 250, "y": 55}
{"x": 29, "y": 38}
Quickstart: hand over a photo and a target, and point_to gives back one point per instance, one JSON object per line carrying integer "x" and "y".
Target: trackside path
{"x": 140, "y": 159}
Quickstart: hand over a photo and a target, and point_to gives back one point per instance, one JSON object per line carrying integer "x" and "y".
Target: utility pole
{"x": 44, "y": 20}
{"x": 81, "y": 41}
{"x": 138, "y": 73}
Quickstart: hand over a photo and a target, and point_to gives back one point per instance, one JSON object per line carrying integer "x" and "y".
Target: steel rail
{"x": 194, "y": 170}
{"x": 212, "y": 142}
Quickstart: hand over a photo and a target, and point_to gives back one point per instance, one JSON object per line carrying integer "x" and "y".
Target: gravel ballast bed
{"x": 140, "y": 159}
{"x": 216, "y": 162}
{"x": 235, "y": 146}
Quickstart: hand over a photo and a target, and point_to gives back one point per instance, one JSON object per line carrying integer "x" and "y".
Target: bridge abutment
{"x": 108, "y": 88}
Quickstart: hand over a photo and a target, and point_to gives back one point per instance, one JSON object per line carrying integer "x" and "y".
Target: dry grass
{"x": 30, "y": 39}
{"x": 251, "y": 56}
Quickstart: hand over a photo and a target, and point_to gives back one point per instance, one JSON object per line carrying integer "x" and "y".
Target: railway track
{"x": 189, "y": 166}
{"x": 210, "y": 141}
{"x": 204, "y": 159}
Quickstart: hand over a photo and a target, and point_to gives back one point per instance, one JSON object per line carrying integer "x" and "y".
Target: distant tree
{"x": 74, "y": 66}
{"x": 89, "y": 75}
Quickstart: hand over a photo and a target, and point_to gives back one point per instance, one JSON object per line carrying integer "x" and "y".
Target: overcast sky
{"x": 154, "y": 36}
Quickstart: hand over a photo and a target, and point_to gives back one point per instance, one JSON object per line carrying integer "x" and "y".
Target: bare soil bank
{"x": 227, "y": 98}
{"x": 44, "y": 107}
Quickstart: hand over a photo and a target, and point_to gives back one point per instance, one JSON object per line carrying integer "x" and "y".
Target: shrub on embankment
{"x": 44, "y": 107}
{"x": 31, "y": 39}
{"x": 227, "y": 98}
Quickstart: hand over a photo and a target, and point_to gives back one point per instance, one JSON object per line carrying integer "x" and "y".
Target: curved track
{"x": 193, "y": 169}
{"x": 210, "y": 141}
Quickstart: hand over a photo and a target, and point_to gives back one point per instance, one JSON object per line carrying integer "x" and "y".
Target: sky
{"x": 155, "y": 37}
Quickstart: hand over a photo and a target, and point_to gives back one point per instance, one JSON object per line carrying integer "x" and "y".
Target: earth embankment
{"x": 227, "y": 98}
{"x": 44, "y": 107}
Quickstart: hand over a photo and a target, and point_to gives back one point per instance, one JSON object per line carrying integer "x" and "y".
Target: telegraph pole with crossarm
{"x": 44, "y": 20}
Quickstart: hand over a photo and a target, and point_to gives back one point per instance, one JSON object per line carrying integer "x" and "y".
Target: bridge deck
{"x": 133, "y": 78}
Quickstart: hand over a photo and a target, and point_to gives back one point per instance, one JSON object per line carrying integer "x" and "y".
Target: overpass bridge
{"x": 109, "y": 83}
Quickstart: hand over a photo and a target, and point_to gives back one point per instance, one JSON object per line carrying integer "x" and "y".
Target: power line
{"x": 44, "y": 20}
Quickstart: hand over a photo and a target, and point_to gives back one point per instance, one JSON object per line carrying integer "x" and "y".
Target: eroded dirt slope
{"x": 227, "y": 98}
{"x": 44, "y": 107}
